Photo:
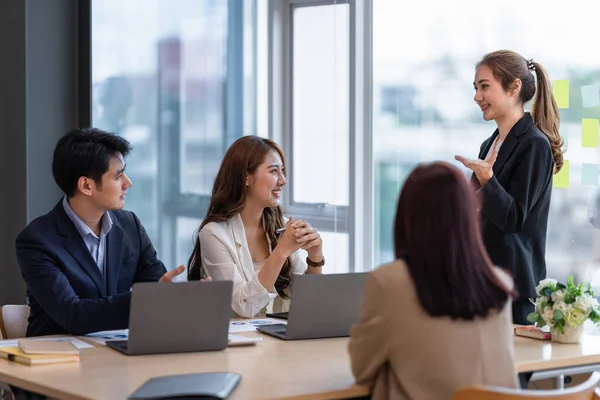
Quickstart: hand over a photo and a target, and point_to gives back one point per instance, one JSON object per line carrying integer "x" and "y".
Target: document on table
{"x": 249, "y": 325}
{"x": 80, "y": 344}
{"x": 103, "y": 336}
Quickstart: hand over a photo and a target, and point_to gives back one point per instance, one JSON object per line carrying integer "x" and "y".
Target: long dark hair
{"x": 437, "y": 234}
{"x": 508, "y": 66}
{"x": 242, "y": 158}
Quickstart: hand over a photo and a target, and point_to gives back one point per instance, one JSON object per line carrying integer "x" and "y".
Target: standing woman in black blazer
{"x": 513, "y": 175}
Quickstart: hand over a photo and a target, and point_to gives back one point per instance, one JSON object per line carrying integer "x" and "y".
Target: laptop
{"x": 177, "y": 318}
{"x": 278, "y": 315}
{"x": 323, "y": 306}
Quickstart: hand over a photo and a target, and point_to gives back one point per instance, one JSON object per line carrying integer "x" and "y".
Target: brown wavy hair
{"x": 229, "y": 192}
{"x": 508, "y": 66}
{"x": 437, "y": 234}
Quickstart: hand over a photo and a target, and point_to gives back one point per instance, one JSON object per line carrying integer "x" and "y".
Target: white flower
{"x": 585, "y": 303}
{"x": 575, "y": 318}
{"x": 538, "y": 303}
{"x": 548, "y": 314}
{"x": 562, "y": 307}
{"x": 544, "y": 283}
{"x": 558, "y": 296}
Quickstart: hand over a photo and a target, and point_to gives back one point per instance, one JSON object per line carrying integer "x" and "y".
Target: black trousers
{"x": 520, "y": 310}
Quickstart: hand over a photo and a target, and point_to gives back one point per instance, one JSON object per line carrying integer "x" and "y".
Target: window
{"x": 320, "y": 103}
{"x": 423, "y": 110}
{"x": 315, "y": 93}
{"x": 178, "y": 79}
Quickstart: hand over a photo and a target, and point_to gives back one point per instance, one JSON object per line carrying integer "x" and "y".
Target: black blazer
{"x": 65, "y": 288}
{"x": 515, "y": 204}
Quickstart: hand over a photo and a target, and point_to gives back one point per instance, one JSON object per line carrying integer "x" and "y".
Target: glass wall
{"x": 423, "y": 109}
{"x": 182, "y": 79}
{"x": 178, "y": 79}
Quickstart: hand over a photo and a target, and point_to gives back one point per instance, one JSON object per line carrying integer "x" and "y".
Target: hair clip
{"x": 530, "y": 65}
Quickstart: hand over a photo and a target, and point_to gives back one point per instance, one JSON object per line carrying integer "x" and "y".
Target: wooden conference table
{"x": 273, "y": 369}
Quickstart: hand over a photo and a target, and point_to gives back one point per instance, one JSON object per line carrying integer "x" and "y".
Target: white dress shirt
{"x": 225, "y": 255}
{"x": 96, "y": 245}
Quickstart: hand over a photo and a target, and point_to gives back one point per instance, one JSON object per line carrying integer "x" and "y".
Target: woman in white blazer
{"x": 241, "y": 238}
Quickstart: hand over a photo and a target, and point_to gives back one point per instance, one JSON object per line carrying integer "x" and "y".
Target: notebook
{"x": 533, "y": 332}
{"x": 33, "y": 346}
{"x": 209, "y": 385}
{"x": 15, "y": 354}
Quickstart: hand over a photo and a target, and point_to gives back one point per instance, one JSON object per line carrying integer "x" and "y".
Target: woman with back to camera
{"x": 439, "y": 317}
{"x": 513, "y": 175}
{"x": 242, "y": 238}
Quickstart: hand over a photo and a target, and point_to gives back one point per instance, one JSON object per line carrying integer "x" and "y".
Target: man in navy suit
{"x": 80, "y": 260}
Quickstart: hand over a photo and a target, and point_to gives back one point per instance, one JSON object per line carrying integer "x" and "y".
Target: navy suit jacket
{"x": 515, "y": 204}
{"x": 65, "y": 288}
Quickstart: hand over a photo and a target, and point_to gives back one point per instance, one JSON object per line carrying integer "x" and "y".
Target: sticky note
{"x": 590, "y": 95}
{"x": 589, "y": 132}
{"x": 589, "y": 175}
{"x": 561, "y": 180}
{"x": 560, "y": 90}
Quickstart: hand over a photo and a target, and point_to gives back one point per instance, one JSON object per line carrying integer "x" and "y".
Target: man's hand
{"x": 170, "y": 275}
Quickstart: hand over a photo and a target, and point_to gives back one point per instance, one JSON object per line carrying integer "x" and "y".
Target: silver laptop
{"x": 323, "y": 306}
{"x": 177, "y": 318}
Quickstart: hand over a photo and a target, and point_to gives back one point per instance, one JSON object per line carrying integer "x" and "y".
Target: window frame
{"x": 355, "y": 219}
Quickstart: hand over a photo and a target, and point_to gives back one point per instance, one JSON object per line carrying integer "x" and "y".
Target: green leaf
{"x": 545, "y": 304}
{"x": 558, "y": 315}
{"x": 560, "y": 326}
{"x": 541, "y": 323}
{"x": 594, "y": 316}
{"x": 569, "y": 297}
{"x": 588, "y": 289}
{"x": 547, "y": 291}
{"x": 533, "y": 317}
{"x": 560, "y": 286}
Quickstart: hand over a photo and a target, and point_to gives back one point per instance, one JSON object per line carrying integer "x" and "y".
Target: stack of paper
{"x": 36, "y": 352}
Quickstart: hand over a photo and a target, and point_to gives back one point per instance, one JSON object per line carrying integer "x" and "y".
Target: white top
{"x": 496, "y": 145}
{"x": 225, "y": 256}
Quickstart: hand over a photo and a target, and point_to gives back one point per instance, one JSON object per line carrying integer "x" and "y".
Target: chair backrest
{"x": 13, "y": 321}
{"x": 583, "y": 391}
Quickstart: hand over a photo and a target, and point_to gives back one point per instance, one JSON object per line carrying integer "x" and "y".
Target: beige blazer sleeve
{"x": 369, "y": 338}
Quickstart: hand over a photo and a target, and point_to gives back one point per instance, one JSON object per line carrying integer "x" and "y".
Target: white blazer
{"x": 225, "y": 255}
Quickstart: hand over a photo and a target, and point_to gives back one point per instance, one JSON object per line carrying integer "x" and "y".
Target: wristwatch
{"x": 315, "y": 264}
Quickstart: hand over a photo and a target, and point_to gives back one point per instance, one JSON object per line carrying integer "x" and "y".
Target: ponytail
{"x": 546, "y": 115}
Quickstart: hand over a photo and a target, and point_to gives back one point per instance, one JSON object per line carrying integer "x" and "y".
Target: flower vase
{"x": 570, "y": 335}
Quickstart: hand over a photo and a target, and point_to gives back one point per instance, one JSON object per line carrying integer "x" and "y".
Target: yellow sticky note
{"x": 589, "y": 132}
{"x": 560, "y": 90}
{"x": 561, "y": 180}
